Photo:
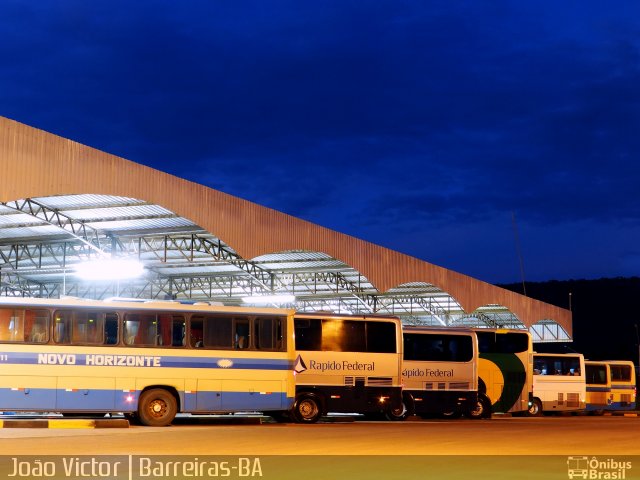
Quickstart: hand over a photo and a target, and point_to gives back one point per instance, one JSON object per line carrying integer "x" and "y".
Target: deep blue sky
{"x": 422, "y": 126}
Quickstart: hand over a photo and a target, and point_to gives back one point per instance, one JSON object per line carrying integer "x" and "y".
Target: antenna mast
{"x": 518, "y": 251}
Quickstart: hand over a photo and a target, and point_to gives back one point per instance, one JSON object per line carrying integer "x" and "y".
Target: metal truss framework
{"x": 189, "y": 263}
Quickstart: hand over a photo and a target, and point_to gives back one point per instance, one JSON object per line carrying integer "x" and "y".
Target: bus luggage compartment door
{"x": 28, "y": 393}
{"x": 86, "y": 393}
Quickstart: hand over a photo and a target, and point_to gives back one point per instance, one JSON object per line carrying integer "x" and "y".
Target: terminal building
{"x": 64, "y": 206}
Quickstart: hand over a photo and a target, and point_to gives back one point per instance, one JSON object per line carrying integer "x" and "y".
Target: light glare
{"x": 260, "y": 299}
{"x": 109, "y": 269}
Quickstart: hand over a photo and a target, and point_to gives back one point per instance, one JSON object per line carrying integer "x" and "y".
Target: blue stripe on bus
{"x": 598, "y": 389}
{"x": 44, "y": 399}
{"x": 100, "y": 359}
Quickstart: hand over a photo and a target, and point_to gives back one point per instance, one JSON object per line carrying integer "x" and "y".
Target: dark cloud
{"x": 418, "y": 125}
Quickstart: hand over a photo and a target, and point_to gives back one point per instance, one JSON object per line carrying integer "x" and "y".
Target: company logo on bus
{"x": 225, "y": 363}
{"x": 299, "y": 366}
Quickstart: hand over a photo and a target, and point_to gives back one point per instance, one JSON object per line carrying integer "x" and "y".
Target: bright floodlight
{"x": 109, "y": 269}
{"x": 259, "y": 299}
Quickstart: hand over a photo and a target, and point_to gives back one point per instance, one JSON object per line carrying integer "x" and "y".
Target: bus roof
{"x": 119, "y": 304}
{"x": 426, "y": 329}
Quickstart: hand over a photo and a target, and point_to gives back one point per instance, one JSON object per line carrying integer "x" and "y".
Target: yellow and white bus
{"x": 611, "y": 385}
{"x": 559, "y": 383}
{"x": 505, "y": 370}
{"x": 598, "y": 384}
{"x": 439, "y": 372}
{"x": 623, "y": 385}
{"x": 346, "y": 364}
{"x": 148, "y": 360}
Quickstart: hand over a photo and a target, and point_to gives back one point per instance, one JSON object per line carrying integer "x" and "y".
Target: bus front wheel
{"x": 535, "y": 409}
{"x": 306, "y": 408}
{"x": 157, "y": 408}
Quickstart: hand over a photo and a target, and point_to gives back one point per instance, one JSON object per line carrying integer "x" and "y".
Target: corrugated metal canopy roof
{"x": 43, "y": 239}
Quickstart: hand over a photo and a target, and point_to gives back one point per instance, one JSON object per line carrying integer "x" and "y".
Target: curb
{"x": 65, "y": 424}
{"x": 222, "y": 420}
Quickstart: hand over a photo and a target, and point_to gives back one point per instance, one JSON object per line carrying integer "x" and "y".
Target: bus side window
{"x": 265, "y": 333}
{"x": 141, "y": 329}
{"x": 131, "y": 328}
{"x": 36, "y": 325}
{"x": 195, "y": 332}
{"x": 218, "y": 332}
{"x": 308, "y": 334}
{"x": 268, "y": 333}
{"x": 177, "y": 331}
{"x": 242, "y": 334}
{"x": 111, "y": 329}
{"x": 9, "y": 322}
{"x": 62, "y": 327}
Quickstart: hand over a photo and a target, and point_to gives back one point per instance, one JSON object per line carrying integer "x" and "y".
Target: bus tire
{"x": 396, "y": 414}
{"x": 535, "y": 409}
{"x": 157, "y": 408}
{"x": 307, "y": 408}
{"x": 481, "y": 409}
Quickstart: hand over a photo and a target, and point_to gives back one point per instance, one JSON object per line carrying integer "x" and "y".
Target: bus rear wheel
{"x": 157, "y": 408}
{"x": 481, "y": 409}
{"x": 306, "y": 408}
{"x": 535, "y": 409}
{"x": 397, "y": 413}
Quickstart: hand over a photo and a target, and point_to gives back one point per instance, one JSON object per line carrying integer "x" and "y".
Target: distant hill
{"x": 606, "y": 315}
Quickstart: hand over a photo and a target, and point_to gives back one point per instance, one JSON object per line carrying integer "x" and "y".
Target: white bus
{"x": 346, "y": 364}
{"x": 559, "y": 383}
{"x": 148, "y": 360}
{"x": 439, "y": 372}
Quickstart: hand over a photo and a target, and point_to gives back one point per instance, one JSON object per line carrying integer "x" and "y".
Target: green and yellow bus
{"x": 505, "y": 370}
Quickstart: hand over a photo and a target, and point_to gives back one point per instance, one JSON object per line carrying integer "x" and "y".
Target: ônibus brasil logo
{"x": 595, "y": 468}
